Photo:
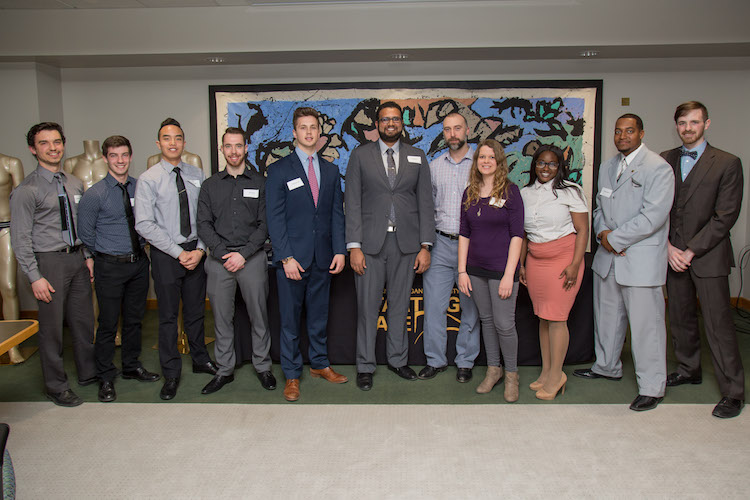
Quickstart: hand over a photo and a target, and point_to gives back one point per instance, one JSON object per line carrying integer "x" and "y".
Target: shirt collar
{"x": 629, "y": 159}
{"x": 383, "y": 147}
{"x": 547, "y": 186}
{"x": 304, "y": 156}
{"x": 224, "y": 174}
{"x": 168, "y": 167}
{"x": 468, "y": 156}
{"x": 48, "y": 175}
{"x": 700, "y": 148}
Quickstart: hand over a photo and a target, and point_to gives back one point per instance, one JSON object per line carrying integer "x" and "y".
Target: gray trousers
{"x": 69, "y": 276}
{"x": 643, "y": 307}
{"x": 221, "y": 287}
{"x": 498, "y": 318}
{"x": 397, "y": 270}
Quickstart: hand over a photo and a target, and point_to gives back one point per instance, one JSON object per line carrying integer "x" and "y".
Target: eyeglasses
{"x": 386, "y": 119}
{"x": 552, "y": 165}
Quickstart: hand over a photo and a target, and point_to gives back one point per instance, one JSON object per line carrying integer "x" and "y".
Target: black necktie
{"x": 134, "y": 242}
{"x": 184, "y": 207}
{"x": 691, "y": 154}
{"x": 66, "y": 215}
{"x": 392, "y": 180}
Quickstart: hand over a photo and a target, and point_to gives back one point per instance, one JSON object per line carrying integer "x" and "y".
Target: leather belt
{"x": 447, "y": 235}
{"x": 129, "y": 258}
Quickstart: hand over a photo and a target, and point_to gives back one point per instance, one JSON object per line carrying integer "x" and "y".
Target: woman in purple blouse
{"x": 489, "y": 249}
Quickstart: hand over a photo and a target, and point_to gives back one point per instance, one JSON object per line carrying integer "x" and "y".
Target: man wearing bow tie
{"x": 708, "y": 196}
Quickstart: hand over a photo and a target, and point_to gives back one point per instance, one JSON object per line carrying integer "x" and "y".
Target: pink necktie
{"x": 313, "y": 180}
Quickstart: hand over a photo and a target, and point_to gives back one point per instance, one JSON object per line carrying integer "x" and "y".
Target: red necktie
{"x": 313, "y": 180}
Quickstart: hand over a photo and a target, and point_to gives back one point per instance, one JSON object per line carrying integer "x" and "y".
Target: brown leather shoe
{"x": 328, "y": 374}
{"x": 291, "y": 390}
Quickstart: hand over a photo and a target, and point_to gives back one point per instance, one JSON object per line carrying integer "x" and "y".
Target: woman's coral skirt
{"x": 544, "y": 264}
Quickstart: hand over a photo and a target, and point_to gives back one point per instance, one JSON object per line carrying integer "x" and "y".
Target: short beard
{"x": 240, "y": 164}
{"x": 457, "y": 145}
{"x": 389, "y": 138}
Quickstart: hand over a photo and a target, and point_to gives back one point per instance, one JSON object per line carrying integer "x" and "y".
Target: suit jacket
{"x": 369, "y": 197}
{"x": 296, "y": 226}
{"x": 706, "y": 206}
{"x": 636, "y": 209}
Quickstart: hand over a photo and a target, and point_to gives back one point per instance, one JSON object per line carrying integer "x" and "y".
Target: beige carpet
{"x": 361, "y": 452}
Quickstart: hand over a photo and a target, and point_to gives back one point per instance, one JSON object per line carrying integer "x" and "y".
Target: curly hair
{"x": 500, "y": 183}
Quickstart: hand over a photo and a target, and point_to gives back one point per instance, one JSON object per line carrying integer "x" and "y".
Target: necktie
{"x": 66, "y": 216}
{"x": 691, "y": 154}
{"x": 134, "y": 242}
{"x": 184, "y": 207}
{"x": 392, "y": 181}
{"x": 623, "y": 166}
{"x": 313, "y": 180}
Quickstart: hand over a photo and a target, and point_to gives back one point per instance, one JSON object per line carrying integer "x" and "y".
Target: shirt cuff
{"x": 351, "y": 245}
{"x": 34, "y": 275}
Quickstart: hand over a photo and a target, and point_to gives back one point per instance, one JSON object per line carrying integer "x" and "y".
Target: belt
{"x": 131, "y": 257}
{"x": 447, "y": 235}
{"x": 72, "y": 249}
{"x": 391, "y": 229}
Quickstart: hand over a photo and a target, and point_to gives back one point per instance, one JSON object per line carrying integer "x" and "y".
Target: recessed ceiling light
{"x": 589, "y": 53}
{"x": 215, "y": 60}
{"x": 399, "y": 56}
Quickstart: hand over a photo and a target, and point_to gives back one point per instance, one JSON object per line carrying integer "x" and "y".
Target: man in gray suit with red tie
{"x": 305, "y": 215}
{"x": 708, "y": 197}
{"x": 390, "y": 225}
{"x": 631, "y": 221}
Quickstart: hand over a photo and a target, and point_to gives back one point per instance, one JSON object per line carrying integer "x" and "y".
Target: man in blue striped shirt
{"x": 106, "y": 226}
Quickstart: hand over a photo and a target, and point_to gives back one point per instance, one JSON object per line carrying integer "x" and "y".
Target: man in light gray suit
{"x": 631, "y": 221}
{"x": 390, "y": 226}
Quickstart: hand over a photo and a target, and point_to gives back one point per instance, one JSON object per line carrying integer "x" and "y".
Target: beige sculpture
{"x": 11, "y": 175}
{"x": 88, "y": 166}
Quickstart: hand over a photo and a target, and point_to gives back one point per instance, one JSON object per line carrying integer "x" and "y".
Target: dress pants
{"x": 395, "y": 269}
{"x": 69, "y": 276}
{"x": 172, "y": 282}
{"x": 121, "y": 287}
{"x": 222, "y": 287}
{"x": 438, "y": 282}
{"x": 313, "y": 290}
{"x": 713, "y": 294}
{"x": 643, "y": 307}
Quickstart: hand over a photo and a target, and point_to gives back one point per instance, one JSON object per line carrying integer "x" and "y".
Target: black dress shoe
{"x": 141, "y": 374}
{"x": 169, "y": 390}
{"x": 463, "y": 375}
{"x": 208, "y": 367}
{"x": 675, "y": 379}
{"x": 404, "y": 372}
{"x": 88, "y": 381}
{"x": 66, "y": 398}
{"x": 728, "y": 408}
{"x": 588, "y": 373}
{"x": 643, "y": 403}
{"x": 217, "y": 383}
{"x": 267, "y": 380}
{"x": 364, "y": 381}
{"x": 107, "y": 391}
{"x": 429, "y": 372}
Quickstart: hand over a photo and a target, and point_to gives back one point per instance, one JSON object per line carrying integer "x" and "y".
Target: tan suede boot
{"x": 511, "y": 387}
{"x": 493, "y": 376}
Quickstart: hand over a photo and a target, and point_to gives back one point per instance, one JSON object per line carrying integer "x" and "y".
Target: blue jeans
{"x": 438, "y": 284}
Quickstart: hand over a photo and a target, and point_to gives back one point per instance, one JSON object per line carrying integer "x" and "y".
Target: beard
{"x": 456, "y": 145}
{"x": 693, "y": 138}
{"x": 389, "y": 136}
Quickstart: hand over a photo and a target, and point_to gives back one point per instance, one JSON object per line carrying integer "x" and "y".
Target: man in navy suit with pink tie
{"x": 304, "y": 208}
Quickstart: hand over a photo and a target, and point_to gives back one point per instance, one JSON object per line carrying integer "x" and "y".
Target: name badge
{"x": 497, "y": 203}
{"x": 414, "y": 159}
{"x": 294, "y": 184}
{"x": 195, "y": 183}
{"x": 76, "y": 198}
{"x": 606, "y": 192}
{"x": 250, "y": 193}
{"x": 132, "y": 202}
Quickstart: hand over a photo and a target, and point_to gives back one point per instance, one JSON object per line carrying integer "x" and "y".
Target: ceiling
{"x": 162, "y": 4}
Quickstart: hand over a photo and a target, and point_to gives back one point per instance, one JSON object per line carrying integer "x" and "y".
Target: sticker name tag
{"x": 295, "y": 183}
{"x": 414, "y": 159}
{"x": 195, "y": 183}
{"x": 76, "y": 198}
{"x": 497, "y": 203}
{"x": 250, "y": 193}
{"x": 132, "y": 202}
{"x": 606, "y": 192}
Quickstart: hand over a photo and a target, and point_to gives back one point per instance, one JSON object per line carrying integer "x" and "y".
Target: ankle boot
{"x": 493, "y": 376}
{"x": 511, "y": 387}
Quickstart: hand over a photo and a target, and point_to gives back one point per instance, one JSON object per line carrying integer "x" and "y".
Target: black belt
{"x": 4, "y": 224}
{"x": 129, "y": 258}
{"x": 447, "y": 235}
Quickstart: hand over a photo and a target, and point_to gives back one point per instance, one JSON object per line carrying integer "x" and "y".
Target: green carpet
{"x": 24, "y": 382}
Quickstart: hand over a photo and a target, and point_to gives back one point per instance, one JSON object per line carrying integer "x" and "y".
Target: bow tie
{"x": 691, "y": 154}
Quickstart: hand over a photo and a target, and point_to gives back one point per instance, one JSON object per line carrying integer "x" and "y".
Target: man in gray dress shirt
{"x": 43, "y": 213}
{"x": 166, "y": 203}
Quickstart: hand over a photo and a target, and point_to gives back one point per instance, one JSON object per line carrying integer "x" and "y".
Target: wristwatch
{"x": 286, "y": 260}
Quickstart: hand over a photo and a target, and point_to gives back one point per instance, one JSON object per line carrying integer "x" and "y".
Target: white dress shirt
{"x": 546, "y": 216}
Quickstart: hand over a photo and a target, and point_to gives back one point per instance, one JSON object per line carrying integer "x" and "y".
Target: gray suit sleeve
{"x": 353, "y": 200}
{"x": 425, "y": 202}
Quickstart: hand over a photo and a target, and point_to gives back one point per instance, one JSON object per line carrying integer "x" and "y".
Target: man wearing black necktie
{"x": 43, "y": 235}
{"x": 106, "y": 226}
{"x": 708, "y": 197}
{"x": 166, "y": 203}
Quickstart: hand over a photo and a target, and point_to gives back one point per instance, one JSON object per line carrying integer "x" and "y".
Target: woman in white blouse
{"x": 557, "y": 230}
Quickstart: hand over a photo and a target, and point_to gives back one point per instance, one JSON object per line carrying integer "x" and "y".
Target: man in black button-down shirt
{"x": 106, "y": 226}
{"x": 232, "y": 223}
